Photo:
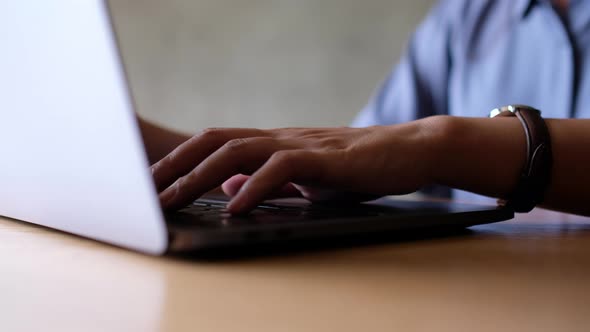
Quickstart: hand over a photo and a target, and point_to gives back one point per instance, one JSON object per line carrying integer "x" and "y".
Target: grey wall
{"x": 260, "y": 63}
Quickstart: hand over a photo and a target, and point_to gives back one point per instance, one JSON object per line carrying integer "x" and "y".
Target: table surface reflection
{"x": 528, "y": 274}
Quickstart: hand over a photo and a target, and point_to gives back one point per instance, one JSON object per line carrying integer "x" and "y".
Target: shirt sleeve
{"x": 418, "y": 86}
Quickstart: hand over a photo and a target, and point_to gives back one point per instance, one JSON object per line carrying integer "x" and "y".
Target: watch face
{"x": 502, "y": 111}
{"x": 509, "y": 110}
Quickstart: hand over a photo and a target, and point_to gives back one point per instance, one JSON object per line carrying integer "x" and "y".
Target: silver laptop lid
{"x": 71, "y": 152}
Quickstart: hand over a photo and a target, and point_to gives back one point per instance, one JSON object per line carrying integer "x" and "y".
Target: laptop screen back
{"x": 72, "y": 155}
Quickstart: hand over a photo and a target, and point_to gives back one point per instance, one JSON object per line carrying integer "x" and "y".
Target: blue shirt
{"x": 468, "y": 57}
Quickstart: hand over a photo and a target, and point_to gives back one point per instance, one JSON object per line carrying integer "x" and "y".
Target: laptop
{"x": 73, "y": 158}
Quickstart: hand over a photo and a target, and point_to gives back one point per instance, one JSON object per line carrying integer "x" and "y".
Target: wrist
{"x": 439, "y": 132}
{"x": 481, "y": 155}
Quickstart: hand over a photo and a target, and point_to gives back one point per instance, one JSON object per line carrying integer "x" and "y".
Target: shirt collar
{"x": 523, "y": 7}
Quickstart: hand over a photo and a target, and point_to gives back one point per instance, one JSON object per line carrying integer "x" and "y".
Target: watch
{"x": 536, "y": 173}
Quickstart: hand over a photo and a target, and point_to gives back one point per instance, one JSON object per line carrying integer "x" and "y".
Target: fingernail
{"x": 244, "y": 186}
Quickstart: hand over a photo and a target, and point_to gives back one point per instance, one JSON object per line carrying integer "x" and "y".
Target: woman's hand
{"x": 318, "y": 163}
{"x": 480, "y": 155}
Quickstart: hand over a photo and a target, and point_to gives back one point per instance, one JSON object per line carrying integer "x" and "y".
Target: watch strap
{"x": 536, "y": 173}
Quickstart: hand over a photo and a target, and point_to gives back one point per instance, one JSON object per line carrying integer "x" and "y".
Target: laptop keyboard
{"x": 212, "y": 213}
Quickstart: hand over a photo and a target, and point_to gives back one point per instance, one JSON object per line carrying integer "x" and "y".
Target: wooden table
{"x": 529, "y": 274}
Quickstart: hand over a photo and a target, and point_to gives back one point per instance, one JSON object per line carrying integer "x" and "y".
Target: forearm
{"x": 571, "y": 161}
{"x": 159, "y": 141}
{"x": 486, "y": 156}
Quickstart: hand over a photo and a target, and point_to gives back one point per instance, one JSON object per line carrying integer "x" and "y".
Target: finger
{"x": 283, "y": 167}
{"x": 232, "y": 186}
{"x": 236, "y": 156}
{"x": 191, "y": 153}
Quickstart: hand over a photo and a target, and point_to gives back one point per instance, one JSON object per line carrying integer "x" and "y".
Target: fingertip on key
{"x": 238, "y": 206}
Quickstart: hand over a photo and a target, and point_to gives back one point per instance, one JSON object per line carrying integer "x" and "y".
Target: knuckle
{"x": 185, "y": 182}
{"x": 181, "y": 182}
{"x": 284, "y": 158}
{"x": 331, "y": 142}
{"x": 209, "y": 134}
{"x": 313, "y": 132}
{"x": 167, "y": 160}
{"x": 263, "y": 132}
{"x": 236, "y": 144}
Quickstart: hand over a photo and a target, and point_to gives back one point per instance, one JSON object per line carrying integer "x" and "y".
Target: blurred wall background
{"x": 260, "y": 63}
